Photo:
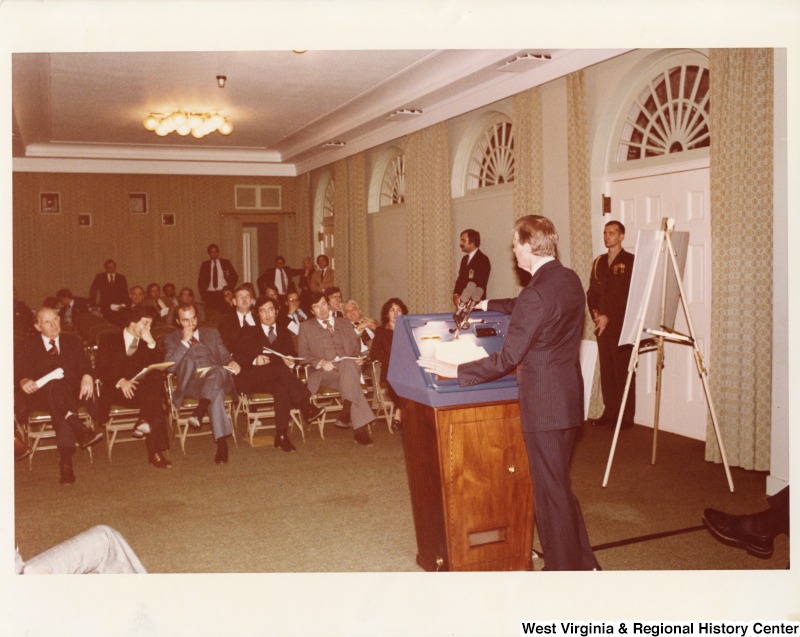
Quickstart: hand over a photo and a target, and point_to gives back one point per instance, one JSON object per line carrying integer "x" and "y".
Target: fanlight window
{"x": 329, "y": 207}
{"x": 669, "y": 116}
{"x": 492, "y": 162}
{"x": 393, "y": 188}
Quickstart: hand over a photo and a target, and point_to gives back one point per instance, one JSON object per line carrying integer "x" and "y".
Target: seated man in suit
{"x": 157, "y": 302}
{"x": 193, "y": 349}
{"x": 331, "y": 348}
{"x": 231, "y": 324}
{"x": 110, "y": 291}
{"x": 54, "y": 372}
{"x": 122, "y": 355}
{"x": 321, "y": 278}
{"x": 365, "y": 330}
{"x": 215, "y": 274}
{"x": 269, "y": 373}
{"x": 294, "y": 312}
{"x": 71, "y": 307}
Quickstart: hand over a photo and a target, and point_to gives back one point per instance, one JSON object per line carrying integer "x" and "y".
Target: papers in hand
{"x": 157, "y": 366}
{"x": 347, "y": 358}
{"x": 56, "y": 374}
{"x": 458, "y": 351}
{"x": 267, "y": 350}
{"x": 202, "y": 371}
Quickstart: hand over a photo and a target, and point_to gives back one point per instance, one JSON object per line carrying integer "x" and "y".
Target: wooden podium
{"x": 470, "y": 485}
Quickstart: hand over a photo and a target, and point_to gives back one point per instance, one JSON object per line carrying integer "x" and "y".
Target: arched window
{"x": 329, "y": 205}
{"x": 492, "y": 161}
{"x": 393, "y": 187}
{"x": 670, "y": 115}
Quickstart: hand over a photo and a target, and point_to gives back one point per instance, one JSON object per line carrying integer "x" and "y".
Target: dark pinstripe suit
{"x": 542, "y": 343}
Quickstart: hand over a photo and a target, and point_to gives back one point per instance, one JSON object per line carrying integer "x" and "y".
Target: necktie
{"x": 214, "y": 279}
{"x": 133, "y": 346}
{"x": 271, "y": 336}
{"x": 53, "y": 351}
{"x": 329, "y": 326}
{"x": 193, "y": 340}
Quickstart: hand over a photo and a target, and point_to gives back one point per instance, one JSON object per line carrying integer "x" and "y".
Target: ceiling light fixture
{"x": 221, "y": 79}
{"x": 187, "y": 123}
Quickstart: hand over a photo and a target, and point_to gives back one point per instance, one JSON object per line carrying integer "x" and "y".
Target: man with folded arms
{"x": 269, "y": 373}
{"x": 54, "y": 372}
{"x": 204, "y": 368}
{"x": 332, "y": 350}
{"x": 120, "y": 357}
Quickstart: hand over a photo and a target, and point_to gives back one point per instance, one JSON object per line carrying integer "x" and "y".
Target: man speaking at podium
{"x": 542, "y": 343}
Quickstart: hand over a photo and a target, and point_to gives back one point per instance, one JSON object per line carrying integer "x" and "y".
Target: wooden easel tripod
{"x": 657, "y": 343}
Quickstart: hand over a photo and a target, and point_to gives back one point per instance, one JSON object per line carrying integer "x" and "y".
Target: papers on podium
{"x": 458, "y": 351}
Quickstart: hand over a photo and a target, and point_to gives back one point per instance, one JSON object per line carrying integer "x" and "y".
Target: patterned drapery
{"x": 358, "y": 284}
{"x": 580, "y": 221}
{"x": 341, "y": 249}
{"x": 528, "y": 153}
{"x": 429, "y": 225}
{"x": 740, "y": 370}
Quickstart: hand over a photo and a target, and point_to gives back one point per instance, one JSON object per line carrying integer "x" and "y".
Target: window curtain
{"x": 580, "y": 223}
{"x": 741, "y": 157}
{"x": 304, "y": 219}
{"x": 429, "y": 226}
{"x": 528, "y": 153}
{"x": 341, "y": 249}
{"x": 358, "y": 284}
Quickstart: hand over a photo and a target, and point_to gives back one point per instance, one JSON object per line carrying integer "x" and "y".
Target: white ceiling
{"x": 84, "y": 111}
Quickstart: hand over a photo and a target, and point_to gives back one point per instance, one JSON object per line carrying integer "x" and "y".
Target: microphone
{"x": 470, "y": 297}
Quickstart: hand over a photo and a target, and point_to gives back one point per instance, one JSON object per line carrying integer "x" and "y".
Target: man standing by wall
{"x": 215, "y": 274}
{"x": 475, "y": 265}
{"x": 607, "y": 297}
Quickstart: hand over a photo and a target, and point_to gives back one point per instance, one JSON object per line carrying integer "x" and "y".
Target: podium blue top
{"x": 418, "y": 334}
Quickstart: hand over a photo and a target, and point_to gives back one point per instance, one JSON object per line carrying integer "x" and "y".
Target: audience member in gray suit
{"x": 192, "y": 349}
{"x": 99, "y": 550}
{"x": 542, "y": 342}
{"x": 331, "y": 349}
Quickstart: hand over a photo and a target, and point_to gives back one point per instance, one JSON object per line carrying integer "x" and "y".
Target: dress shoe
{"x": 88, "y": 438}
{"x": 361, "y": 436}
{"x": 194, "y": 422}
{"x": 739, "y": 530}
{"x": 602, "y": 421}
{"x": 160, "y": 461}
{"x": 342, "y": 425}
{"x": 314, "y": 413}
{"x": 396, "y": 425}
{"x": 67, "y": 474}
{"x": 141, "y": 429}
{"x": 21, "y": 450}
{"x": 221, "y": 456}
{"x": 282, "y": 442}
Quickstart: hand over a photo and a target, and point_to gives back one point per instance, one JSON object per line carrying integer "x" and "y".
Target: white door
{"x": 641, "y": 203}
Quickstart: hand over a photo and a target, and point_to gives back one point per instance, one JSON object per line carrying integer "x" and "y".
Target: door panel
{"x": 641, "y": 203}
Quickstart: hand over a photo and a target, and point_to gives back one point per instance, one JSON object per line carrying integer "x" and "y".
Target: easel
{"x": 660, "y": 336}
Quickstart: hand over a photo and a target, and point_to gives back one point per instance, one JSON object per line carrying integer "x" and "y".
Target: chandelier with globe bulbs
{"x": 187, "y": 123}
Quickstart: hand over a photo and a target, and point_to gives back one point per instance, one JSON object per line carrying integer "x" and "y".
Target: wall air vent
{"x": 404, "y": 114}
{"x": 257, "y": 198}
{"x": 525, "y": 62}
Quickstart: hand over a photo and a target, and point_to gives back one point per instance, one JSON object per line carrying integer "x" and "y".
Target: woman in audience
{"x": 382, "y": 348}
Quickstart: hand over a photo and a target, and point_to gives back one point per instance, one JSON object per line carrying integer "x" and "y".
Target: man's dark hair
{"x": 212, "y": 245}
{"x": 64, "y": 292}
{"x": 264, "y": 299}
{"x": 136, "y": 314}
{"x": 183, "y": 307}
{"x": 330, "y": 291}
{"x": 474, "y": 237}
{"x": 619, "y": 225}
{"x": 315, "y": 297}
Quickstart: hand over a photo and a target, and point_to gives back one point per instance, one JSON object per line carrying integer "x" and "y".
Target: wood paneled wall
{"x": 52, "y": 251}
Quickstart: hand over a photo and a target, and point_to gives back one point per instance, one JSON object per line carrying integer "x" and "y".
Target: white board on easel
{"x": 649, "y": 257}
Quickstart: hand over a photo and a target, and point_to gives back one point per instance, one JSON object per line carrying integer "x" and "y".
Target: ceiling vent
{"x": 333, "y": 144}
{"x": 525, "y": 62}
{"x": 404, "y": 114}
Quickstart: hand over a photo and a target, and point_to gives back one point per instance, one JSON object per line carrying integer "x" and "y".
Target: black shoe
{"x": 602, "y": 421}
{"x": 141, "y": 429}
{"x": 221, "y": 456}
{"x": 282, "y": 442}
{"x": 314, "y": 413}
{"x": 194, "y": 422}
{"x": 89, "y": 438}
{"x": 361, "y": 436}
{"x": 21, "y": 450}
{"x": 67, "y": 474}
{"x": 160, "y": 461}
{"x": 734, "y": 530}
{"x": 396, "y": 425}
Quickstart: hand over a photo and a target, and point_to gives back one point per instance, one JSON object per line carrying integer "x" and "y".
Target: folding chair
{"x": 259, "y": 408}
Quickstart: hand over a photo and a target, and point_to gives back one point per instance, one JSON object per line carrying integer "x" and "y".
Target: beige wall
{"x": 52, "y": 251}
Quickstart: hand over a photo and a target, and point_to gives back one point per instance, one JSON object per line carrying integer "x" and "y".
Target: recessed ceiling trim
{"x": 150, "y": 167}
{"x": 162, "y": 153}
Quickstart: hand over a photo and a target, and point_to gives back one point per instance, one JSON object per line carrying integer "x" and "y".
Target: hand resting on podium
{"x": 442, "y": 369}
